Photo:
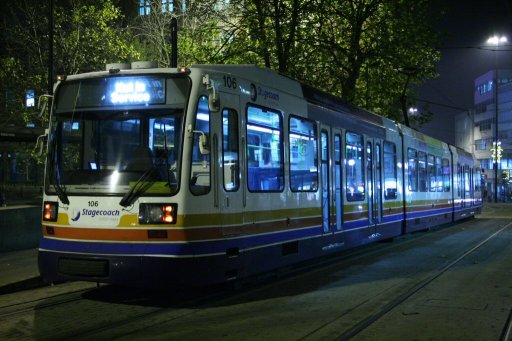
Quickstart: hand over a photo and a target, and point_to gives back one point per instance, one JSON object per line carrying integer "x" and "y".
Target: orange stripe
{"x": 176, "y": 235}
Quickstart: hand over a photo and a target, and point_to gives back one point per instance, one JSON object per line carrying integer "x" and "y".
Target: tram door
{"x": 230, "y": 175}
{"x": 374, "y": 180}
{"x": 324, "y": 170}
{"x": 331, "y": 180}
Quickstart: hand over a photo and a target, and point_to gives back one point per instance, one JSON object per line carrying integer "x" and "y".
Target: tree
{"x": 88, "y": 34}
{"x": 205, "y": 32}
{"x": 368, "y": 43}
{"x": 355, "y": 49}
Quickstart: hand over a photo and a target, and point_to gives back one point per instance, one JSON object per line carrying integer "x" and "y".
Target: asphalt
{"x": 18, "y": 269}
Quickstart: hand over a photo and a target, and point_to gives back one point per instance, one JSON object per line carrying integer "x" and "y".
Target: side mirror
{"x": 213, "y": 101}
{"x": 213, "y": 98}
{"x": 40, "y": 141}
{"x": 42, "y": 103}
{"x": 204, "y": 146}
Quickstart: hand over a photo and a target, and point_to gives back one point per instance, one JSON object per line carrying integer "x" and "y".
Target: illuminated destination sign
{"x": 130, "y": 92}
{"x": 135, "y": 90}
{"x": 112, "y": 92}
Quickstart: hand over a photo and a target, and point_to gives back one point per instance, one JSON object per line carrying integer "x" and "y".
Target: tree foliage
{"x": 206, "y": 34}
{"x": 369, "y": 52}
{"x": 366, "y": 51}
{"x": 88, "y": 34}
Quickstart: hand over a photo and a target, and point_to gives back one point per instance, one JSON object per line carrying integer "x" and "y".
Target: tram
{"x": 212, "y": 173}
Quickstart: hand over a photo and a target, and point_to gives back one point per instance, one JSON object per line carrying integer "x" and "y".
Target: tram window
{"x": 265, "y": 169}
{"x": 422, "y": 171}
{"x": 303, "y": 155}
{"x": 200, "y": 168}
{"x": 412, "y": 169}
{"x": 467, "y": 185}
{"x": 230, "y": 161}
{"x": 164, "y": 144}
{"x": 431, "y": 170}
{"x": 446, "y": 175}
{"x": 71, "y": 144}
{"x": 390, "y": 171}
{"x": 337, "y": 179}
{"x": 478, "y": 179}
{"x": 354, "y": 167}
{"x": 459, "y": 179}
{"x": 439, "y": 175}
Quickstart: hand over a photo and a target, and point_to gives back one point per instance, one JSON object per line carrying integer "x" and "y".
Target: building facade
{"x": 484, "y": 115}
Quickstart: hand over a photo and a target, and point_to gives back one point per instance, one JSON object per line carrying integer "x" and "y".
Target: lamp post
{"x": 495, "y": 41}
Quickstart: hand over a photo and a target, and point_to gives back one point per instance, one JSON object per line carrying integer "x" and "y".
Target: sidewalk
{"x": 498, "y": 210}
{"x": 18, "y": 270}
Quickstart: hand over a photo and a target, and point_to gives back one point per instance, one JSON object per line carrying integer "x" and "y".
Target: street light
{"x": 496, "y": 40}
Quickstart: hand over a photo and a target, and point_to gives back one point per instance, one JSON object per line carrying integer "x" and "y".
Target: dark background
{"x": 465, "y": 55}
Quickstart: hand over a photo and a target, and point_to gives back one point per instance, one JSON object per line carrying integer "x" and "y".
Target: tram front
{"x": 112, "y": 172}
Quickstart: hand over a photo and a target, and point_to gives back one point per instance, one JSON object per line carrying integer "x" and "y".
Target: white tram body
{"x": 219, "y": 172}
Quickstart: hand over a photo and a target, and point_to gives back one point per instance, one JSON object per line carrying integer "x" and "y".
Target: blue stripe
{"x": 177, "y": 249}
{"x": 216, "y": 246}
{"x": 420, "y": 214}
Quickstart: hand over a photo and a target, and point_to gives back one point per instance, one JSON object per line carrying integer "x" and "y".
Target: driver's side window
{"x": 200, "y": 177}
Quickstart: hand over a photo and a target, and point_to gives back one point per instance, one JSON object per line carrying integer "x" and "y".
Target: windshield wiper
{"x": 140, "y": 187}
{"x": 56, "y": 183}
{"x": 61, "y": 194}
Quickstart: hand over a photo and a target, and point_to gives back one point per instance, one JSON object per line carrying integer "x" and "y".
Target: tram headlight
{"x": 158, "y": 213}
{"x": 50, "y": 211}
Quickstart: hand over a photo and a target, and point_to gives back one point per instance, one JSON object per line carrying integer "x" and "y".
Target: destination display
{"x": 112, "y": 91}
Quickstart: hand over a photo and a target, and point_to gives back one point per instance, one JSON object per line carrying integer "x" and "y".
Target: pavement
{"x": 18, "y": 269}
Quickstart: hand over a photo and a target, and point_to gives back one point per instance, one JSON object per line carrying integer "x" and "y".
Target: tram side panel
{"x": 467, "y": 194}
{"x": 392, "y": 184}
{"x": 427, "y": 181}
{"x": 281, "y": 211}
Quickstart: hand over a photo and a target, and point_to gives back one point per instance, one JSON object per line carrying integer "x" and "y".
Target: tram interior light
{"x": 157, "y": 213}
{"x": 50, "y": 210}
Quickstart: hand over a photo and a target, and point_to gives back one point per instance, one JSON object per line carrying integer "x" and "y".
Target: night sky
{"x": 467, "y": 26}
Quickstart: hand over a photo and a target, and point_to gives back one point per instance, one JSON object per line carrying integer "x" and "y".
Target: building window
{"x": 144, "y": 7}
{"x": 485, "y": 87}
{"x": 167, "y": 6}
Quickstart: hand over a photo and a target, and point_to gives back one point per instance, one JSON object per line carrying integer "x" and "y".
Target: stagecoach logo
{"x": 266, "y": 94}
{"x": 100, "y": 213}
{"x": 75, "y": 214}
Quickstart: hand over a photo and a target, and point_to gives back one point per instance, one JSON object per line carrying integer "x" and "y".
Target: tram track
{"x": 23, "y": 307}
{"x": 145, "y": 311}
{"x": 189, "y": 308}
{"x": 415, "y": 289}
{"x": 506, "y": 335}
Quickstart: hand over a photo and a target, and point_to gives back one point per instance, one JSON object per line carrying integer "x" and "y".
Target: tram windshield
{"x": 119, "y": 150}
